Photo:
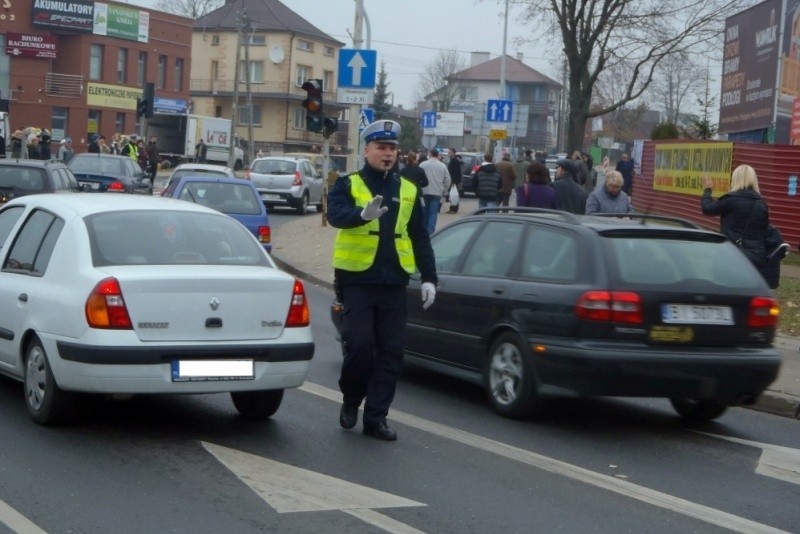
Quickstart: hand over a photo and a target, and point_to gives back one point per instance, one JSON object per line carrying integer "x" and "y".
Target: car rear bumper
{"x": 733, "y": 376}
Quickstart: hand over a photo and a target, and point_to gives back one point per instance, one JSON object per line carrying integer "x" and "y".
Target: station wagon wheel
{"x": 509, "y": 378}
{"x": 302, "y": 206}
{"x": 47, "y": 404}
{"x": 698, "y": 410}
{"x": 257, "y": 404}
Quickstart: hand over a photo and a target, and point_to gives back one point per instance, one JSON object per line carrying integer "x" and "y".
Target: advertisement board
{"x": 75, "y": 15}
{"x": 112, "y": 96}
{"x": 27, "y": 45}
{"x": 680, "y": 167}
{"x": 121, "y": 22}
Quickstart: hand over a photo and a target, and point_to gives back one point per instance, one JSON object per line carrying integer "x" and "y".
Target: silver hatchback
{"x": 287, "y": 181}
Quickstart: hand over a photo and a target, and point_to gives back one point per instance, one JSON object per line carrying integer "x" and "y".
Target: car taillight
{"x": 764, "y": 312}
{"x": 116, "y": 186}
{"x": 105, "y": 307}
{"x": 298, "y": 309}
{"x": 611, "y": 306}
{"x": 298, "y": 178}
{"x": 264, "y": 234}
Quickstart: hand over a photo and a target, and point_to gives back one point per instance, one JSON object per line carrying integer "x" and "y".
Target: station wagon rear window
{"x": 274, "y": 166}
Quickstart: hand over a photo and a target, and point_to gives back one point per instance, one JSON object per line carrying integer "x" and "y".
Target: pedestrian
{"x": 104, "y": 148}
{"x": 116, "y": 143}
{"x": 200, "y": 150}
{"x": 486, "y": 183}
{"x": 610, "y": 198}
{"x": 152, "y": 158}
{"x": 571, "y": 196}
{"x": 382, "y": 240}
{"x": 94, "y": 146}
{"x": 127, "y": 148}
{"x": 44, "y": 144}
{"x": 16, "y": 144}
{"x": 456, "y": 170}
{"x": 412, "y": 171}
{"x": 33, "y": 146}
{"x": 438, "y": 185}
{"x": 260, "y": 153}
{"x": 581, "y": 174}
{"x": 744, "y": 216}
{"x": 141, "y": 154}
{"x": 507, "y": 178}
{"x": 65, "y": 151}
{"x": 535, "y": 192}
{"x": 625, "y": 168}
{"x": 591, "y": 179}
{"x": 521, "y": 167}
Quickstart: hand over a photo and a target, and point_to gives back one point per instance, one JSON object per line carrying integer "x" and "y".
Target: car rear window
{"x": 196, "y": 172}
{"x": 650, "y": 260}
{"x": 227, "y": 198}
{"x": 23, "y": 179}
{"x": 98, "y": 165}
{"x": 167, "y": 237}
{"x": 274, "y": 166}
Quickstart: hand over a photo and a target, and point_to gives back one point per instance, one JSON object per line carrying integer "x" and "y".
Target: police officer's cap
{"x": 381, "y": 132}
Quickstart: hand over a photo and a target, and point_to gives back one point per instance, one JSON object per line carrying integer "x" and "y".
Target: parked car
{"x": 136, "y": 295}
{"x": 287, "y": 181}
{"x": 470, "y": 161}
{"x": 232, "y": 196}
{"x": 20, "y": 177}
{"x": 338, "y": 163}
{"x": 538, "y": 303}
{"x": 199, "y": 169}
{"x": 100, "y": 173}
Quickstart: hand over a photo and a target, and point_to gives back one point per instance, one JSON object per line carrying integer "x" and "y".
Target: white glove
{"x": 374, "y": 209}
{"x": 428, "y": 295}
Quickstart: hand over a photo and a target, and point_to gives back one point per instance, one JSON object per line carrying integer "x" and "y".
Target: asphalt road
{"x": 190, "y": 464}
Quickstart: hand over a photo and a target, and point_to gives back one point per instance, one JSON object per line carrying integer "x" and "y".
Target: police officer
{"x": 381, "y": 240}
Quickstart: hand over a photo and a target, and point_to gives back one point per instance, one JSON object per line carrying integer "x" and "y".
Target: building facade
{"x": 77, "y": 67}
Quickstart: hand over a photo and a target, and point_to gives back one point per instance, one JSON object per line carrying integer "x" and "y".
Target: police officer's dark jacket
{"x": 386, "y": 269}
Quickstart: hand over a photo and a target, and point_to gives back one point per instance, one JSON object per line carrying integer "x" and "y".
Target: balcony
{"x": 67, "y": 85}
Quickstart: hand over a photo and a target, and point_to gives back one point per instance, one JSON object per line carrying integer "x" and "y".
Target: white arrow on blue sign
{"x": 357, "y": 68}
{"x": 367, "y": 118}
{"x": 499, "y": 110}
{"x": 429, "y": 119}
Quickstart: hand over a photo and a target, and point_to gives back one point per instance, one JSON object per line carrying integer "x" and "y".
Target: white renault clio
{"x": 119, "y": 294}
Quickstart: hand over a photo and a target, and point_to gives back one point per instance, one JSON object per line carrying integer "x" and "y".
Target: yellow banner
{"x": 112, "y": 96}
{"x": 680, "y": 167}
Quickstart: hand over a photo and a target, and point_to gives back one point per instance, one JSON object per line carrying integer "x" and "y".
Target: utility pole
{"x": 235, "y": 102}
{"x": 499, "y": 147}
{"x": 353, "y": 138}
{"x": 248, "y": 32}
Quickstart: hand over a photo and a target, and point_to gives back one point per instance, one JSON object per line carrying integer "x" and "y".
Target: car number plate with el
{"x": 212, "y": 370}
{"x": 266, "y": 196}
{"x": 695, "y": 314}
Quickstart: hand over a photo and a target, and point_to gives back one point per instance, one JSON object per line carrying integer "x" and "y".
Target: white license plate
{"x": 211, "y": 370}
{"x": 266, "y": 196}
{"x": 92, "y": 185}
{"x": 693, "y": 314}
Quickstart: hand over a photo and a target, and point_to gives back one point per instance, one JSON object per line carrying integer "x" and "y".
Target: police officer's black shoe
{"x": 380, "y": 431}
{"x": 348, "y": 416}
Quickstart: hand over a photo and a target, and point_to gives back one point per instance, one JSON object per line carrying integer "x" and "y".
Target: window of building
{"x": 467, "y": 93}
{"x": 161, "y": 74}
{"x": 119, "y": 123}
{"x": 218, "y": 111}
{"x": 178, "y": 81}
{"x": 303, "y": 74}
{"x": 244, "y": 115}
{"x": 58, "y": 123}
{"x": 122, "y": 65}
{"x": 141, "y": 68}
{"x": 256, "y": 71}
{"x": 215, "y": 70}
{"x": 215, "y": 40}
{"x": 258, "y": 40}
{"x": 93, "y": 123}
{"x": 96, "y": 62}
{"x": 302, "y": 44}
{"x": 327, "y": 80}
{"x": 299, "y": 118}
{"x": 5, "y": 66}
{"x": 328, "y": 51}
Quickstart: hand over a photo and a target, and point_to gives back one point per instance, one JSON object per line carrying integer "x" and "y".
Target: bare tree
{"x": 599, "y": 34}
{"x": 439, "y": 82}
{"x": 189, "y": 8}
{"x": 676, "y": 79}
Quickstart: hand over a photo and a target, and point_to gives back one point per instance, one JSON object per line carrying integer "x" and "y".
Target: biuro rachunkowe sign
{"x": 76, "y": 15}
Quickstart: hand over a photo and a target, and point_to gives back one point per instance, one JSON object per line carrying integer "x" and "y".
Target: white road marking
{"x": 16, "y": 521}
{"x": 610, "y": 483}
{"x": 776, "y": 461}
{"x": 288, "y": 489}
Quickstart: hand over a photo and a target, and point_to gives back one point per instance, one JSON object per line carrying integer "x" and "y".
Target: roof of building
{"x": 516, "y": 72}
{"x": 265, "y": 16}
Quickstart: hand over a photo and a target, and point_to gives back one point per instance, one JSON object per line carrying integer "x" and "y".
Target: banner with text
{"x": 26, "y": 45}
{"x": 75, "y": 15}
{"x": 679, "y": 168}
{"x": 112, "y": 96}
{"x": 121, "y": 22}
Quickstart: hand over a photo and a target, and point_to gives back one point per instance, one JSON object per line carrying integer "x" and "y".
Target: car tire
{"x": 257, "y": 404}
{"x": 698, "y": 410}
{"x": 47, "y": 403}
{"x": 509, "y": 378}
{"x": 302, "y": 205}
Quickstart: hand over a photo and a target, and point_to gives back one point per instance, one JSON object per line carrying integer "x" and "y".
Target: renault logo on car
{"x": 214, "y": 303}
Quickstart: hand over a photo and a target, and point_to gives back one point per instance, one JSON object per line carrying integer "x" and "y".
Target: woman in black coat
{"x": 413, "y": 172}
{"x": 744, "y": 216}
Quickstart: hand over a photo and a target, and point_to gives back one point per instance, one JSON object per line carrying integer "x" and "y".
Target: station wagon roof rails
{"x": 565, "y": 215}
{"x": 644, "y": 217}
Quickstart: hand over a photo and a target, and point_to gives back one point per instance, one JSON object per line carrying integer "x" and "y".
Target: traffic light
{"x": 144, "y": 105}
{"x": 329, "y": 126}
{"x": 313, "y": 105}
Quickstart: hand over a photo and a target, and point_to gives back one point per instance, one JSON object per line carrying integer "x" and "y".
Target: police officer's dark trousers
{"x": 373, "y": 332}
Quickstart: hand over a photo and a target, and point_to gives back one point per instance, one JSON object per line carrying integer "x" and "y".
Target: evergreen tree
{"x": 409, "y": 136}
{"x": 702, "y": 127}
{"x": 383, "y": 109}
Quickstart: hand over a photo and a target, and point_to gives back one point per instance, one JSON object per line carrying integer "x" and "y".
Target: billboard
{"x": 749, "y": 68}
{"x": 679, "y": 168}
{"x": 27, "y": 45}
{"x": 121, "y": 22}
{"x": 76, "y": 15}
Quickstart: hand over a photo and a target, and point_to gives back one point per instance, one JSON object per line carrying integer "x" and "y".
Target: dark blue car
{"x": 234, "y": 197}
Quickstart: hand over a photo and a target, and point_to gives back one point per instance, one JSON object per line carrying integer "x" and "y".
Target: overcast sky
{"x": 408, "y": 34}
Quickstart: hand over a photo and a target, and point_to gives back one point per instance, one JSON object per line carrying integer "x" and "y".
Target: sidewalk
{"x": 304, "y": 246}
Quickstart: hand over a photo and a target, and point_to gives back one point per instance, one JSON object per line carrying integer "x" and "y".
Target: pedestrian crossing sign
{"x": 367, "y": 117}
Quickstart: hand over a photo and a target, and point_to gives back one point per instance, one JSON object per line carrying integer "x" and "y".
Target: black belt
{"x": 375, "y": 232}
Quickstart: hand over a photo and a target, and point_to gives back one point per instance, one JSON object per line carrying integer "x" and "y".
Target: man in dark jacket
{"x": 152, "y": 158}
{"x": 625, "y": 168}
{"x": 571, "y": 196}
{"x": 486, "y": 183}
{"x": 454, "y": 167}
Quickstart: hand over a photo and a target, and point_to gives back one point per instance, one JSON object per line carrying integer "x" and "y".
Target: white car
{"x": 199, "y": 169}
{"x": 123, "y": 294}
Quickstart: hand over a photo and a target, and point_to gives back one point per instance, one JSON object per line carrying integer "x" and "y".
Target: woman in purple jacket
{"x": 535, "y": 192}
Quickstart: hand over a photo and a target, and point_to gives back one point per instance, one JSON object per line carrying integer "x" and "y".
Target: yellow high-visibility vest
{"x": 355, "y": 248}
